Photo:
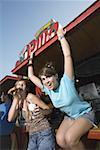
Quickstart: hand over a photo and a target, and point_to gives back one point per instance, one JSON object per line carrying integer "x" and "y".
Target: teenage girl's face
{"x": 50, "y": 82}
{"x": 21, "y": 85}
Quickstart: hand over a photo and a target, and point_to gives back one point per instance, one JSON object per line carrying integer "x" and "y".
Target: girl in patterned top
{"x": 40, "y": 133}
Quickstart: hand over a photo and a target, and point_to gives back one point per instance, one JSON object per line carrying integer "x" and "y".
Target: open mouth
{"x": 50, "y": 85}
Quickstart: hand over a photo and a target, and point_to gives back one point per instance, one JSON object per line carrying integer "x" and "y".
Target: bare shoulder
{"x": 31, "y": 96}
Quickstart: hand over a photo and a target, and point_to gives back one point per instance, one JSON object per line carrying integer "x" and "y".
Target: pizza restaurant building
{"x": 83, "y": 35}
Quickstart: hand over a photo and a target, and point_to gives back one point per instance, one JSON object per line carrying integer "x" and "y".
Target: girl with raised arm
{"x": 79, "y": 116}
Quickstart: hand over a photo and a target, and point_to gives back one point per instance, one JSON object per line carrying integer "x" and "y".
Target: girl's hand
{"x": 61, "y": 32}
{"x": 36, "y": 111}
{"x": 32, "y": 55}
{"x": 10, "y": 91}
{"x": 31, "y": 58}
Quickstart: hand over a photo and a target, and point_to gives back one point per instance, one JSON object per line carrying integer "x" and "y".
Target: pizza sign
{"x": 42, "y": 36}
{"x": 47, "y": 32}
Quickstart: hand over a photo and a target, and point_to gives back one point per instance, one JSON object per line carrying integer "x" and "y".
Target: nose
{"x": 46, "y": 81}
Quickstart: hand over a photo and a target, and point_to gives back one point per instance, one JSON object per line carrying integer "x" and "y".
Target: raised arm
{"x": 68, "y": 64}
{"x": 13, "y": 111}
{"x": 31, "y": 75}
{"x": 37, "y": 101}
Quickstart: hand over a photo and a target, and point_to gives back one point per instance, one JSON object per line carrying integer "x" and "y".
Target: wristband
{"x": 30, "y": 59}
{"x": 30, "y": 65}
{"x": 60, "y": 37}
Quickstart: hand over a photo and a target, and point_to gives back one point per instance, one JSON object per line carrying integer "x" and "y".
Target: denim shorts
{"x": 42, "y": 140}
{"x": 90, "y": 116}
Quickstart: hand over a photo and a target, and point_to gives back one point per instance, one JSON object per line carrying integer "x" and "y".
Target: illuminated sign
{"x": 42, "y": 36}
{"x": 46, "y": 26}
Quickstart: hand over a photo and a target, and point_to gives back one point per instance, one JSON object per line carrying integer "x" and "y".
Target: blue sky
{"x": 20, "y": 20}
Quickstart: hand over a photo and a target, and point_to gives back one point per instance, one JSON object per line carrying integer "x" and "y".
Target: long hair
{"x": 26, "y": 83}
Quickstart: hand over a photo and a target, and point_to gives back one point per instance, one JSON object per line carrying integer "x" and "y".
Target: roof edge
{"x": 8, "y": 77}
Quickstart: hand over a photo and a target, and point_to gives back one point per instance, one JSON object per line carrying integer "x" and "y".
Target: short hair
{"x": 48, "y": 70}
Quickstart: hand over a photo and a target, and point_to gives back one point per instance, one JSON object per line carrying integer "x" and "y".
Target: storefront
{"x": 83, "y": 34}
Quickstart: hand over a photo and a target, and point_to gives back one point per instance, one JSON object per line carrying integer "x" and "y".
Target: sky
{"x": 21, "y": 19}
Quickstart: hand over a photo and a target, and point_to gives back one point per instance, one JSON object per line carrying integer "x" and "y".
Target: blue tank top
{"x": 6, "y": 128}
{"x": 66, "y": 98}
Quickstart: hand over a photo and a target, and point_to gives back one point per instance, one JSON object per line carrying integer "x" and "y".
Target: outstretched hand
{"x": 61, "y": 32}
{"x": 32, "y": 55}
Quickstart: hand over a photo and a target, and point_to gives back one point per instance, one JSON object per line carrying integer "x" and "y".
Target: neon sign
{"x": 42, "y": 36}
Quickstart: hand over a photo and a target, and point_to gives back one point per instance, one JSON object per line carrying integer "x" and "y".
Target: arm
{"x": 25, "y": 111}
{"x": 68, "y": 64}
{"x": 31, "y": 75}
{"x": 10, "y": 91}
{"x": 47, "y": 112}
{"x": 13, "y": 111}
{"x": 37, "y": 101}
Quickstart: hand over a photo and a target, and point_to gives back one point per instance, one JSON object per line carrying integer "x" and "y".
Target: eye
{"x": 28, "y": 102}
{"x": 42, "y": 79}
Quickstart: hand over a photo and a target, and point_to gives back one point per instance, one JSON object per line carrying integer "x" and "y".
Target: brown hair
{"x": 19, "y": 91}
{"x": 48, "y": 70}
